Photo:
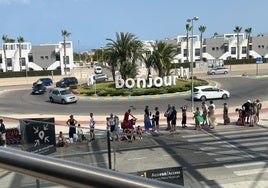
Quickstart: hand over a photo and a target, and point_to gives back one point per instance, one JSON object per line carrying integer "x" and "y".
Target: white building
{"x": 43, "y": 57}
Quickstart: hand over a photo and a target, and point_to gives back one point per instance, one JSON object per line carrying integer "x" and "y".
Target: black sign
{"x": 171, "y": 175}
{"x": 38, "y": 135}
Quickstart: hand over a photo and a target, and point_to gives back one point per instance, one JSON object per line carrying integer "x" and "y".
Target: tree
{"x": 237, "y": 30}
{"x": 65, "y": 34}
{"x": 20, "y": 40}
{"x": 163, "y": 54}
{"x": 126, "y": 48}
{"x": 149, "y": 61}
{"x": 202, "y": 29}
{"x": 128, "y": 70}
{"x": 188, "y": 28}
{"x": 248, "y": 36}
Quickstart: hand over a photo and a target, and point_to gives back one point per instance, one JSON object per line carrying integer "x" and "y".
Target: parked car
{"x": 101, "y": 77}
{"x": 45, "y": 81}
{"x": 62, "y": 95}
{"x": 66, "y": 82}
{"x": 98, "y": 69}
{"x": 210, "y": 92}
{"x": 218, "y": 70}
{"x": 39, "y": 89}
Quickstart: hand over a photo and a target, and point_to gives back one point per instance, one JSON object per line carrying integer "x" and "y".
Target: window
{"x": 217, "y": 48}
{"x": 10, "y": 47}
{"x": 213, "y": 48}
{"x": 197, "y": 52}
{"x": 57, "y": 56}
{"x": 244, "y": 50}
{"x": 46, "y": 57}
{"x": 233, "y": 50}
{"x": 42, "y": 57}
{"x": 179, "y": 50}
{"x": 184, "y": 52}
{"x": 9, "y": 62}
{"x": 23, "y": 61}
{"x": 1, "y": 61}
{"x": 30, "y": 58}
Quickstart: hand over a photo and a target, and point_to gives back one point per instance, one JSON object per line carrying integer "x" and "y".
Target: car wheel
{"x": 213, "y": 73}
{"x": 224, "y": 96}
{"x": 225, "y": 72}
{"x": 51, "y": 99}
{"x": 203, "y": 98}
{"x": 63, "y": 101}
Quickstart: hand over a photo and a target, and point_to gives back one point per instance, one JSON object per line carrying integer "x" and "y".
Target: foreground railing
{"x": 69, "y": 173}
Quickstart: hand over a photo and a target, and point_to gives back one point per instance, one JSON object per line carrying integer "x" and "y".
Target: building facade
{"x": 23, "y": 56}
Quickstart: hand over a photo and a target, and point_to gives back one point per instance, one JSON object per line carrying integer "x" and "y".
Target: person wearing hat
{"x": 204, "y": 107}
{"x": 226, "y": 119}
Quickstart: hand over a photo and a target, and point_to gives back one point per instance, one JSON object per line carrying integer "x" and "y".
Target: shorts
{"x": 3, "y": 136}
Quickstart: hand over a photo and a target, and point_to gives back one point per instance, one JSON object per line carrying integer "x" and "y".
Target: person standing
{"x": 246, "y": 107}
{"x": 157, "y": 117}
{"x": 259, "y": 106}
{"x": 198, "y": 119}
{"x": 205, "y": 113}
{"x": 184, "y": 116}
{"x": 226, "y": 119}
{"x": 71, "y": 122}
{"x": 211, "y": 115}
{"x": 173, "y": 117}
{"x": 147, "y": 121}
{"x": 3, "y": 133}
{"x": 167, "y": 115}
{"x": 91, "y": 127}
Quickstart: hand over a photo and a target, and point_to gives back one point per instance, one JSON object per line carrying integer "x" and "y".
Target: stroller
{"x": 128, "y": 128}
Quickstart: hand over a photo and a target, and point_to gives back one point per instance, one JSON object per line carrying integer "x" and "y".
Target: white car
{"x": 62, "y": 95}
{"x": 218, "y": 70}
{"x": 210, "y": 92}
{"x": 98, "y": 70}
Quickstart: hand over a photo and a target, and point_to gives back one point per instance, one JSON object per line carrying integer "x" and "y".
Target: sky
{"x": 92, "y": 22}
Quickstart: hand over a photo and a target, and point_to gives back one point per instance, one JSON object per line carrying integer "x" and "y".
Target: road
{"x": 21, "y": 102}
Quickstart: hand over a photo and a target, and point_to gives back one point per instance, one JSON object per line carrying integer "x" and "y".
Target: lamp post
{"x": 192, "y": 59}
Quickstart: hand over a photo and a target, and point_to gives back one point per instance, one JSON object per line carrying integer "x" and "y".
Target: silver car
{"x": 62, "y": 95}
{"x": 218, "y": 70}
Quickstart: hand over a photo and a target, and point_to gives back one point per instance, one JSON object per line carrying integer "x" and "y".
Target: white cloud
{"x": 15, "y": 1}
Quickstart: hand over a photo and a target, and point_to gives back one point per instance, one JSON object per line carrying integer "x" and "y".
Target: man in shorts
{"x": 3, "y": 133}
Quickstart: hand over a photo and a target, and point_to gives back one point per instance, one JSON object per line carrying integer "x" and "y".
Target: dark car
{"x": 66, "y": 82}
{"x": 39, "y": 89}
{"x": 45, "y": 81}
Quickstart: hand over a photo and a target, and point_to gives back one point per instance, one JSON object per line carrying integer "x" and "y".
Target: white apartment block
{"x": 43, "y": 57}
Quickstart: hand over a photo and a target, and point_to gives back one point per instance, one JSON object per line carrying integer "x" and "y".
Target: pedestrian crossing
{"x": 243, "y": 151}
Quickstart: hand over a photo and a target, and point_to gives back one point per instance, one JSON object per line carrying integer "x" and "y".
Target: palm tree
{"x": 149, "y": 61}
{"x": 126, "y": 48}
{"x": 65, "y": 34}
{"x": 163, "y": 54}
{"x": 237, "y": 30}
{"x": 188, "y": 28}
{"x": 248, "y": 33}
{"x": 202, "y": 29}
{"x": 5, "y": 40}
{"x": 20, "y": 40}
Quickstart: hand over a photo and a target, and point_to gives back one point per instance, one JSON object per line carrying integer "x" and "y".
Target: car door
{"x": 56, "y": 96}
{"x": 208, "y": 92}
{"x": 216, "y": 93}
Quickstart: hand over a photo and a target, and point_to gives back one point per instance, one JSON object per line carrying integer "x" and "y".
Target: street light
{"x": 192, "y": 59}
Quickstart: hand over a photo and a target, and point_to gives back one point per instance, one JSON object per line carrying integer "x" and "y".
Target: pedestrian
{"x": 79, "y": 131}
{"x": 91, "y": 127}
{"x": 139, "y": 132}
{"x": 246, "y": 108}
{"x": 211, "y": 115}
{"x": 226, "y": 119}
{"x": 147, "y": 121}
{"x": 259, "y": 107}
{"x": 3, "y": 132}
{"x": 184, "y": 116}
{"x": 61, "y": 140}
{"x": 204, "y": 113}
{"x": 157, "y": 117}
{"x": 198, "y": 119}
{"x": 167, "y": 115}
{"x": 252, "y": 114}
{"x": 153, "y": 122}
{"x": 71, "y": 122}
{"x": 117, "y": 128}
{"x": 173, "y": 117}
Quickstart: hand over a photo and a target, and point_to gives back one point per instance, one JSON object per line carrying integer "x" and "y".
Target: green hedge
{"x": 29, "y": 73}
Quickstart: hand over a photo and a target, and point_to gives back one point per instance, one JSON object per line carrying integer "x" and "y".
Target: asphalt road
{"x": 21, "y": 102}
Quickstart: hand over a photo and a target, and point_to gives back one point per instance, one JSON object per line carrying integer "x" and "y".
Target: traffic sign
{"x": 259, "y": 60}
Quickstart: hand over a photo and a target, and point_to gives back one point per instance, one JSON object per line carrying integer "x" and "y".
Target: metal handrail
{"x": 70, "y": 173}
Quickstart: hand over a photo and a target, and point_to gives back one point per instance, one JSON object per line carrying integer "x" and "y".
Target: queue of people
{"x": 127, "y": 130}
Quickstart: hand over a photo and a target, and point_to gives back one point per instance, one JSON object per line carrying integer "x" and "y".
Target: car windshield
{"x": 65, "y": 92}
